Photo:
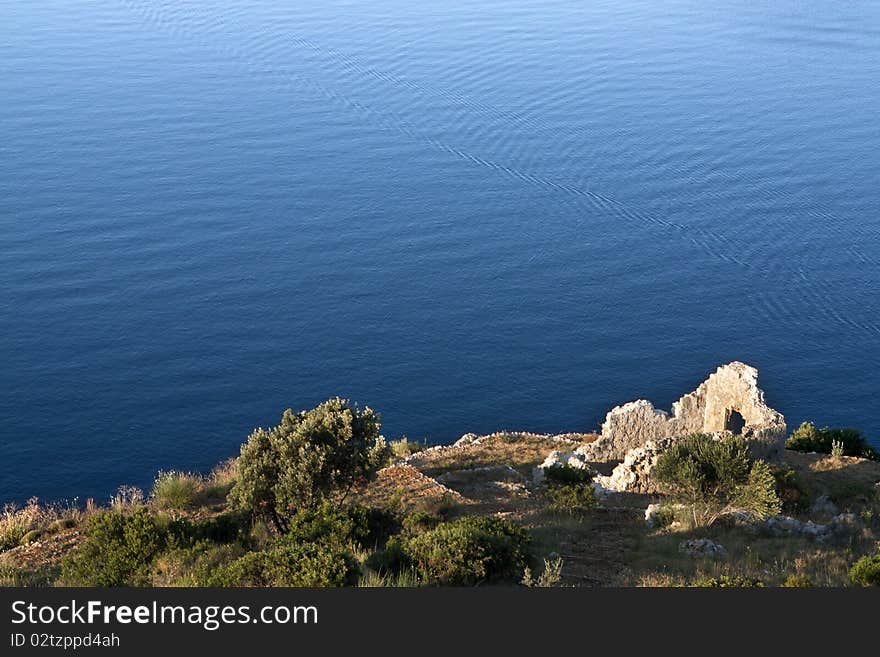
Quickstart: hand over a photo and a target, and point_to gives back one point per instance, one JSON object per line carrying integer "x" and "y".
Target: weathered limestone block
{"x": 557, "y": 459}
{"x": 729, "y": 400}
{"x": 634, "y": 474}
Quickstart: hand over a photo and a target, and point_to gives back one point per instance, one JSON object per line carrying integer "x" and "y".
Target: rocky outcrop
{"x": 728, "y": 401}
{"x": 633, "y": 475}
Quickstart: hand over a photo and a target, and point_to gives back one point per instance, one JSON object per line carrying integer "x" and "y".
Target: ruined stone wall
{"x": 729, "y": 400}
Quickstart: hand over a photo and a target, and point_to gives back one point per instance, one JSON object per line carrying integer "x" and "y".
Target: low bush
{"x": 666, "y": 515}
{"x": 866, "y": 571}
{"x": 790, "y": 489}
{"x": 842, "y": 441}
{"x": 287, "y": 563}
{"x": 550, "y": 575}
{"x": 193, "y": 565}
{"x": 117, "y": 551}
{"x": 372, "y": 526}
{"x": 176, "y": 491}
{"x": 391, "y": 559}
{"x": 715, "y": 477}
{"x": 470, "y": 551}
{"x": 353, "y": 527}
{"x": 570, "y": 499}
{"x": 798, "y": 582}
{"x": 419, "y": 521}
{"x": 401, "y": 449}
{"x": 729, "y": 581}
{"x": 567, "y": 474}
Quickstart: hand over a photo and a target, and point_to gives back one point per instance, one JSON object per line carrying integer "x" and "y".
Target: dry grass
{"x": 127, "y": 499}
{"x": 34, "y": 521}
{"x": 849, "y": 481}
{"x": 771, "y": 559}
{"x": 403, "y": 488}
{"x": 520, "y": 451}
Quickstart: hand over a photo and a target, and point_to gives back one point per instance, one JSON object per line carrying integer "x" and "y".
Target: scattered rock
{"x": 466, "y": 439}
{"x": 840, "y": 525}
{"x": 633, "y": 475}
{"x": 651, "y": 514}
{"x": 557, "y": 459}
{"x": 702, "y": 547}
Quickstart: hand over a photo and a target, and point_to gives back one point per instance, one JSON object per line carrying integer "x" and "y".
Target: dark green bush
{"x": 790, "y": 490}
{"x": 371, "y": 526}
{"x": 310, "y": 457}
{"x": 470, "y": 551}
{"x": 117, "y": 551}
{"x": 866, "y": 571}
{"x": 194, "y": 565}
{"x": 729, "y": 581}
{"x": 571, "y": 499}
{"x": 392, "y": 559}
{"x": 808, "y": 438}
{"x": 715, "y": 477}
{"x": 355, "y": 526}
{"x": 417, "y": 522}
{"x": 566, "y": 474}
{"x": 226, "y": 527}
{"x": 286, "y": 563}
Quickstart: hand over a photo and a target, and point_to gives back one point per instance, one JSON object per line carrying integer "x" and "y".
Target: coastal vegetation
{"x": 713, "y": 478}
{"x": 322, "y": 500}
{"x": 827, "y": 440}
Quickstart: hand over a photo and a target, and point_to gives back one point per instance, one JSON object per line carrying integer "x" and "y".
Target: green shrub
{"x": 286, "y": 563}
{"x": 175, "y": 490}
{"x": 666, "y": 515}
{"x": 310, "y": 457}
{"x": 371, "y": 526}
{"x": 417, "y": 522}
{"x": 808, "y": 438}
{"x": 470, "y": 551}
{"x": 550, "y": 576}
{"x": 567, "y": 474}
{"x": 226, "y": 527}
{"x": 790, "y": 490}
{"x": 400, "y": 449}
{"x": 798, "y": 582}
{"x": 442, "y": 506}
{"x": 866, "y": 571}
{"x": 571, "y": 499}
{"x": 715, "y": 477}
{"x": 391, "y": 559}
{"x": 117, "y": 551}
{"x": 729, "y": 581}
{"x": 193, "y": 565}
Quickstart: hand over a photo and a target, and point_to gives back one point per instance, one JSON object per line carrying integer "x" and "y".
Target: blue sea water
{"x": 470, "y": 215}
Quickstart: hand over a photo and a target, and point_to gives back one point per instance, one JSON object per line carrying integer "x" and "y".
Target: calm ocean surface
{"x": 475, "y": 215}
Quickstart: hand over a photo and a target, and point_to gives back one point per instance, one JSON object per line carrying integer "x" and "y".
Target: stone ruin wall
{"x": 729, "y": 400}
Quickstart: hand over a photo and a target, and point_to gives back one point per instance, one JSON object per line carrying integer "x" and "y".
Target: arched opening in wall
{"x": 734, "y": 422}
